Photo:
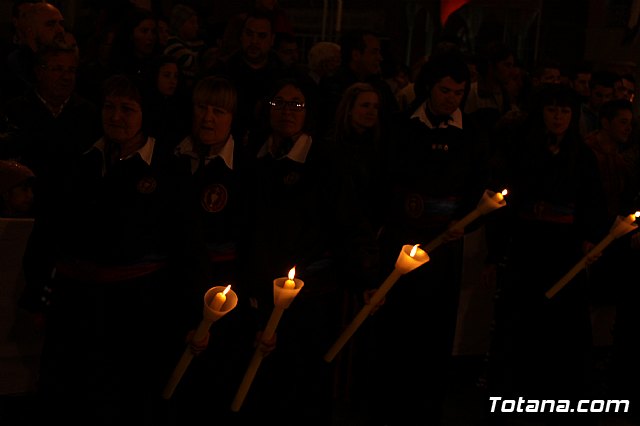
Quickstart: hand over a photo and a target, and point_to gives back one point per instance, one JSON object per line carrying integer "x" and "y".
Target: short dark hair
{"x": 446, "y": 64}
{"x": 611, "y": 108}
{"x": 353, "y": 40}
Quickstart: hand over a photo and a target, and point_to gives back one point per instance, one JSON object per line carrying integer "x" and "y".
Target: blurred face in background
{"x": 619, "y": 127}
{"x": 45, "y": 25}
{"x": 145, "y": 37}
{"x": 256, "y": 41}
{"x": 168, "y": 79}
{"x": 56, "y": 79}
{"x": 625, "y": 89}
{"x": 600, "y": 95}
{"x": 557, "y": 119}
{"x": 163, "y": 32}
{"x": 288, "y": 112}
{"x": 364, "y": 113}
{"x": 446, "y": 96}
{"x": 581, "y": 84}
{"x": 189, "y": 29}
{"x": 368, "y": 61}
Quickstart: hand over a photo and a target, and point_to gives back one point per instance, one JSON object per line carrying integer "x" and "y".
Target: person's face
{"x": 163, "y": 33}
{"x": 168, "y": 79}
{"x": 288, "y": 121}
{"x": 256, "y": 40}
{"x": 503, "y": 69}
{"x": 600, "y": 95}
{"x": 20, "y": 22}
{"x": 189, "y": 29}
{"x": 550, "y": 76}
{"x": 446, "y": 96}
{"x": 625, "y": 89}
{"x": 288, "y": 53}
{"x": 48, "y": 26}
{"x": 121, "y": 119}
{"x": 557, "y": 119}
{"x": 619, "y": 127}
{"x": 19, "y": 199}
{"x": 364, "y": 113}
{"x": 581, "y": 84}
{"x": 57, "y": 78}
{"x": 145, "y": 37}
{"x": 368, "y": 61}
{"x": 211, "y": 124}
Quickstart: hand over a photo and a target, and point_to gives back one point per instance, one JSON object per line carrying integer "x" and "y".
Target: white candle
{"x": 215, "y": 299}
{"x": 487, "y": 203}
{"x": 285, "y": 289}
{"x": 621, "y": 226}
{"x": 219, "y": 299}
{"x": 410, "y": 258}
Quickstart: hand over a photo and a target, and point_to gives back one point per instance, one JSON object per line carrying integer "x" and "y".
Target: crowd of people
{"x": 157, "y": 164}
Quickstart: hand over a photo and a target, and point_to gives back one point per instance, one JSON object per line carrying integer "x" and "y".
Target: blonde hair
{"x": 343, "y": 113}
{"x": 216, "y": 91}
{"x": 321, "y": 52}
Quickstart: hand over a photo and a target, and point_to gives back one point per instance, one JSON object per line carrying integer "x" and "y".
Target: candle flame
{"x": 414, "y": 250}
{"x": 637, "y": 214}
{"x": 504, "y": 192}
{"x": 226, "y": 290}
{"x": 292, "y": 273}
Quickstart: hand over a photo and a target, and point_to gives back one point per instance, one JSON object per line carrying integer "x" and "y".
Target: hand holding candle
{"x": 621, "y": 226}
{"x": 285, "y": 289}
{"x": 490, "y": 201}
{"x": 218, "y": 301}
{"x": 409, "y": 259}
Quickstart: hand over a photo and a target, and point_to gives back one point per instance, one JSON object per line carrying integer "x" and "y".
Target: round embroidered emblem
{"x": 414, "y": 205}
{"x": 292, "y": 178}
{"x": 214, "y": 198}
{"x": 147, "y": 185}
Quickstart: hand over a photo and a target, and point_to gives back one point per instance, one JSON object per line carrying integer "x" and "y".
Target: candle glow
{"x": 219, "y": 299}
{"x": 290, "y": 283}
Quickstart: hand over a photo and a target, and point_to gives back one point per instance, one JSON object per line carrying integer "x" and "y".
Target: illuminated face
{"x": 364, "y": 113}
{"x": 288, "y": 114}
{"x": 619, "y": 127}
{"x": 168, "y": 79}
{"x": 145, "y": 37}
{"x": 557, "y": 119}
{"x": 121, "y": 119}
{"x": 446, "y": 96}
{"x": 256, "y": 40}
{"x": 211, "y": 124}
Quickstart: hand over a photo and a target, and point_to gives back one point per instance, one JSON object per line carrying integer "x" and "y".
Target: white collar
{"x": 421, "y": 114}
{"x": 145, "y": 151}
{"x": 297, "y": 153}
{"x": 187, "y": 147}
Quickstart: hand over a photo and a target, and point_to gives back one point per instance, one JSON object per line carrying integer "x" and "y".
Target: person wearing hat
{"x": 185, "y": 43}
{"x": 16, "y": 195}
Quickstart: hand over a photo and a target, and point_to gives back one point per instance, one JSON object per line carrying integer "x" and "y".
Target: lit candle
{"x": 621, "y": 226}
{"x": 289, "y": 283}
{"x": 410, "y": 258}
{"x": 219, "y": 299}
{"x": 215, "y": 299}
{"x": 499, "y": 196}
{"x": 490, "y": 201}
{"x": 285, "y": 289}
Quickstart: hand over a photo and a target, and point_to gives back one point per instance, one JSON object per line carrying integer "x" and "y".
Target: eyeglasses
{"x": 279, "y": 104}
